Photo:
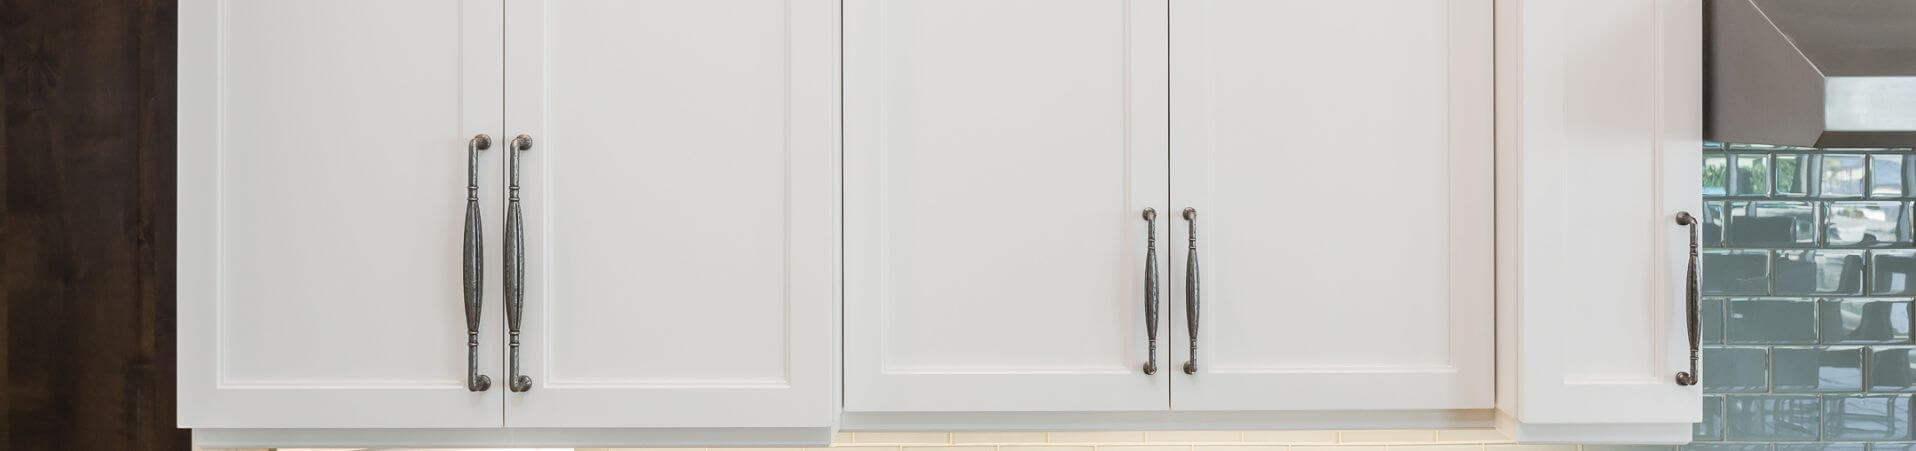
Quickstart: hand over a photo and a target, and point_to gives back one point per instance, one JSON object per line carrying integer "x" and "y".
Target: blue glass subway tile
{"x": 1885, "y": 175}
{"x": 1864, "y": 321}
{"x": 1735, "y": 272}
{"x": 1865, "y": 224}
{"x": 1842, "y": 175}
{"x": 1711, "y": 428}
{"x": 1866, "y": 417}
{"x": 1771, "y": 321}
{"x": 1710, "y": 313}
{"x": 1713, "y": 224}
{"x": 1893, "y": 272}
{"x": 1905, "y": 446}
{"x": 1725, "y": 447}
{"x": 1820, "y": 446}
{"x": 1736, "y": 370}
{"x": 1828, "y": 272}
{"x": 1793, "y": 174}
{"x": 1752, "y": 174}
{"x": 1806, "y": 370}
{"x": 1771, "y": 418}
{"x": 1771, "y": 223}
{"x": 1716, "y": 174}
{"x": 1892, "y": 369}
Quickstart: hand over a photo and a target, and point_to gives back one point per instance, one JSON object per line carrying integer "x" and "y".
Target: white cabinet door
{"x": 1338, "y": 156}
{"x": 1599, "y": 138}
{"x": 681, "y": 211}
{"x": 322, "y": 202}
{"x": 999, "y": 154}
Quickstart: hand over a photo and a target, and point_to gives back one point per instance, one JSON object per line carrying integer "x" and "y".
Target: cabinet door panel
{"x": 681, "y": 205}
{"x": 322, "y": 203}
{"x": 1599, "y": 141}
{"x": 999, "y": 155}
{"x": 1339, "y": 156}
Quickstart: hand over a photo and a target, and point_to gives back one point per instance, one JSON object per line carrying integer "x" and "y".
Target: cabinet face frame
{"x": 1556, "y": 124}
{"x": 1110, "y": 380}
{"x": 569, "y": 195}
{"x": 211, "y": 395}
{"x": 1436, "y": 104}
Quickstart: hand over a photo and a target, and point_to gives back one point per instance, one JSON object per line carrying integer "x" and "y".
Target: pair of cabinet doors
{"x": 1339, "y": 157}
{"x": 680, "y": 203}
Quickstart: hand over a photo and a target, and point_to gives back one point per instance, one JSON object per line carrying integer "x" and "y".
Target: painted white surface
{"x": 321, "y": 205}
{"x": 1344, "y": 203}
{"x": 1599, "y": 134}
{"x": 681, "y": 207}
{"x": 998, "y": 156}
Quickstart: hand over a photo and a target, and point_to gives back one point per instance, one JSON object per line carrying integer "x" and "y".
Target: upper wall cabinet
{"x": 625, "y": 214}
{"x": 1599, "y": 112}
{"x": 1023, "y": 236}
{"x": 999, "y": 157}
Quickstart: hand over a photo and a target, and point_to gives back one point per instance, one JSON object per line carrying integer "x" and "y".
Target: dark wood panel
{"x": 86, "y": 224}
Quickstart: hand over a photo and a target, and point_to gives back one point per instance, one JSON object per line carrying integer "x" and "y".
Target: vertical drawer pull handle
{"x": 1690, "y": 309}
{"x": 1151, "y": 288}
{"x": 473, "y": 264}
{"x": 515, "y": 261}
{"x": 1191, "y": 290}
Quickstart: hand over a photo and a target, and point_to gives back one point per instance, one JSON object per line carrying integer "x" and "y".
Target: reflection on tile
{"x": 1885, "y": 175}
{"x": 1713, "y": 224}
{"x": 1752, "y": 175}
{"x": 1864, "y": 321}
{"x": 1865, "y": 224}
{"x": 1793, "y": 175}
{"x": 1842, "y": 175}
{"x": 1716, "y": 174}
{"x": 1890, "y": 370}
{"x": 1819, "y": 272}
{"x": 1736, "y": 370}
{"x": 1751, "y": 418}
{"x": 1892, "y": 272}
{"x": 1734, "y": 272}
{"x": 1712, "y": 426}
{"x": 1859, "y": 417}
{"x": 1771, "y": 321}
{"x": 1799, "y": 370}
{"x": 1771, "y": 223}
{"x": 1710, "y": 315}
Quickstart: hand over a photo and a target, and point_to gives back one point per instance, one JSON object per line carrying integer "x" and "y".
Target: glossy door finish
{"x": 1599, "y": 139}
{"x": 681, "y": 211}
{"x": 322, "y": 201}
{"x": 1339, "y": 158}
{"x": 998, "y": 155}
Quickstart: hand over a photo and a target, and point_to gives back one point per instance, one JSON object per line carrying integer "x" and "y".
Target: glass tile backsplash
{"x": 1807, "y": 277}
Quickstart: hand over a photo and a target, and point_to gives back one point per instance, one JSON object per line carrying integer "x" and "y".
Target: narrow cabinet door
{"x": 326, "y": 193}
{"x": 680, "y": 211}
{"x": 1331, "y": 171}
{"x": 999, "y": 157}
{"x": 1599, "y": 142}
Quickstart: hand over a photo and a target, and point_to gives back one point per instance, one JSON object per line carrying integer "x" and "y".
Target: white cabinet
{"x": 998, "y": 156}
{"x": 1599, "y": 112}
{"x": 679, "y": 221}
{"x": 996, "y": 252}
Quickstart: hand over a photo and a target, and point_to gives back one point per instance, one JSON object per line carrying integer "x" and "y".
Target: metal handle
{"x": 1191, "y": 290}
{"x": 515, "y": 261}
{"x": 474, "y": 264}
{"x": 1690, "y": 309}
{"x": 1151, "y": 288}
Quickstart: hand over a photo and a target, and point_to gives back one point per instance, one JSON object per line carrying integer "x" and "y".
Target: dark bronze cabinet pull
{"x": 515, "y": 261}
{"x": 1191, "y": 290}
{"x": 1151, "y": 288}
{"x": 473, "y": 264}
{"x": 1690, "y": 309}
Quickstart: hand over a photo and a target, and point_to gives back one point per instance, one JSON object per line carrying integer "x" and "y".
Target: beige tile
{"x": 997, "y": 437}
{"x": 1451, "y": 447}
{"x": 951, "y": 448}
{"x": 1471, "y": 436}
{"x": 1530, "y": 448}
{"x": 1240, "y": 448}
{"x": 1094, "y": 437}
{"x": 939, "y": 438}
{"x": 1292, "y": 437}
{"x": 842, "y": 437}
{"x": 1387, "y": 436}
{"x": 1143, "y": 448}
{"x": 1191, "y": 436}
{"x": 1340, "y": 448}
{"x": 1045, "y": 448}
